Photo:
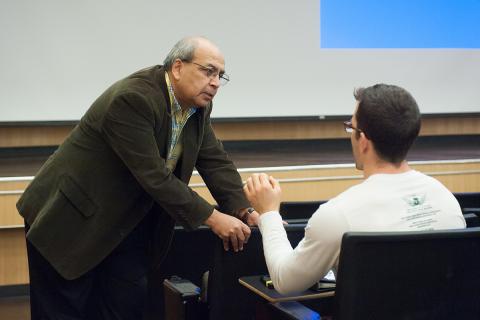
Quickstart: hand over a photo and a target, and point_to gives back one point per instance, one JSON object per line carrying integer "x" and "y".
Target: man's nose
{"x": 215, "y": 81}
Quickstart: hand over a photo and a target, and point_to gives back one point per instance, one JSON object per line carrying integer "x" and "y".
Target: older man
{"x": 393, "y": 197}
{"x": 101, "y": 211}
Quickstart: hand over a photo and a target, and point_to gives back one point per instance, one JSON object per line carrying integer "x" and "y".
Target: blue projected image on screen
{"x": 400, "y": 24}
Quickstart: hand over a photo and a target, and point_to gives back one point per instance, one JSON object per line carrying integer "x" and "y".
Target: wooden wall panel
{"x": 23, "y": 136}
{"x": 457, "y": 177}
{"x": 311, "y": 184}
{"x": 33, "y": 136}
{"x": 9, "y": 195}
{"x": 13, "y": 261}
{"x": 13, "y": 257}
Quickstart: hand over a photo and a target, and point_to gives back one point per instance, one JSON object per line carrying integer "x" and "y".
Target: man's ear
{"x": 177, "y": 69}
{"x": 364, "y": 143}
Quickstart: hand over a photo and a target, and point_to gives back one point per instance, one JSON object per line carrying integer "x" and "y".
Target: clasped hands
{"x": 264, "y": 194}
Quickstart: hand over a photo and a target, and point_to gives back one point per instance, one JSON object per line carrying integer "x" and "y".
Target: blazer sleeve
{"x": 219, "y": 172}
{"x": 129, "y": 128}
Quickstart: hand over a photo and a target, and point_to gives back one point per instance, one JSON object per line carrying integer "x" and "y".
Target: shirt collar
{"x": 173, "y": 100}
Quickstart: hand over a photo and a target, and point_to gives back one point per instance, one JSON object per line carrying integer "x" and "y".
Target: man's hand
{"x": 263, "y": 192}
{"x": 229, "y": 229}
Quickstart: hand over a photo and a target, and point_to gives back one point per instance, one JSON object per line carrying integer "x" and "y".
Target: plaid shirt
{"x": 179, "y": 119}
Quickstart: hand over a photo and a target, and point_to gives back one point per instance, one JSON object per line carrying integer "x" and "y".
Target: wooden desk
{"x": 254, "y": 284}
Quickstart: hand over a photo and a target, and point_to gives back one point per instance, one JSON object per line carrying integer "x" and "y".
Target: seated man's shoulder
{"x": 345, "y": 198}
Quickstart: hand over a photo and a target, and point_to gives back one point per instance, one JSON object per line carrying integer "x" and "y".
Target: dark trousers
{"x": 115, "y": 289}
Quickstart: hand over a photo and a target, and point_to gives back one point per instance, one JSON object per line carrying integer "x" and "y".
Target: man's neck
{"x": 176, "y": 93}
{"x": 384, "y": 167}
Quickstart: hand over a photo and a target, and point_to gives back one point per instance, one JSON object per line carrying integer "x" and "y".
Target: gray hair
{"x": 183, "y": 50}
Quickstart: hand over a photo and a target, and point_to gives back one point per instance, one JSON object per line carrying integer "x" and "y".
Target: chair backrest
{"x": 468, "y": 199}
{"x": 228, "y": 299}
{"x": 472, "y": 219}
{"x": 409, "y": 275}
{"x": 190, "y": 255}
{"x": 299, "y": 209}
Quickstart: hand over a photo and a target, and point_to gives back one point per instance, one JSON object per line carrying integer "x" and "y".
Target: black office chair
{"x": 227, "y": 299}
{"x": 190, "y": 255}
{"x": 468, "y": 199}
{"x": 472, "y": 219}
{"x": 409, "y": 275}
{"x": 299, "y": 210}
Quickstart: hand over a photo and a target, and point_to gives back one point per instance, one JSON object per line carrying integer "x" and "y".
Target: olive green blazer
{"x": 110, "y": 172}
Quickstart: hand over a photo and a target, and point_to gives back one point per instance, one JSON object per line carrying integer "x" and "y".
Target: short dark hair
{"x": 389, "y": 116}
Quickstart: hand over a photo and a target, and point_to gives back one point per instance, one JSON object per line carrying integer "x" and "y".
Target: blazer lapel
{"x": 163, "y": 132}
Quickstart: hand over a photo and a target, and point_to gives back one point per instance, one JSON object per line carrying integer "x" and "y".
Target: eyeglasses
{"x": 212, "y": 73}
{"x": 349, "y": 128}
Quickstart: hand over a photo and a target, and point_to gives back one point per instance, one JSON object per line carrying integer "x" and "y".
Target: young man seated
{"x": 393, "y": 197}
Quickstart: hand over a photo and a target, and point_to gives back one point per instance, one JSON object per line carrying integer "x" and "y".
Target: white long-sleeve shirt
{"x": 409, "y": 201}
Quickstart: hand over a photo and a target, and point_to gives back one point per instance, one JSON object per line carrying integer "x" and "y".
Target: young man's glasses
{"x": 212, "y": 73}
{"x": 349, "y": 128}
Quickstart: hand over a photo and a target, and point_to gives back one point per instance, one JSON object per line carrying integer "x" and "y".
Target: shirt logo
{"x": 415, "y": 199}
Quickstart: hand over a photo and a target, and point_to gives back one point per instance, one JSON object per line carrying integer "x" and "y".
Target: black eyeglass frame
{"x": 349, "y": 128}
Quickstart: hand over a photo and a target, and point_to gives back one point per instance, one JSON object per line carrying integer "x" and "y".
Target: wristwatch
{"x": 246, "y": 213}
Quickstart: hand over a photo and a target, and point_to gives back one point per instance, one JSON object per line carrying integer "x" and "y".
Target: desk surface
{"x": 254, "y": 284}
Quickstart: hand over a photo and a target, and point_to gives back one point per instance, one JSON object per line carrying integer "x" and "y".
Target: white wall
{"x": 57, "y": 56}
